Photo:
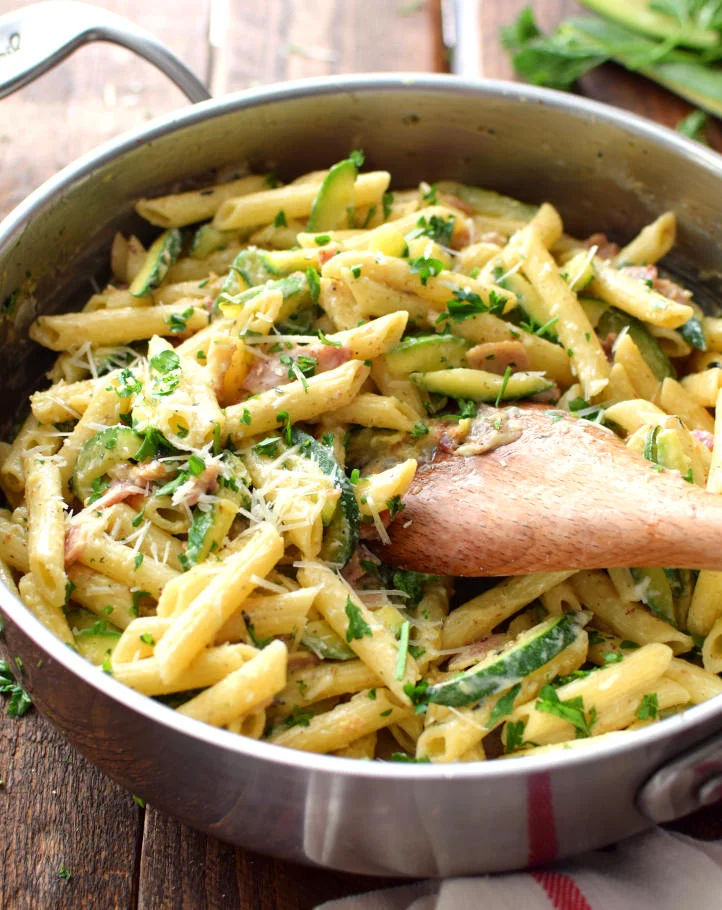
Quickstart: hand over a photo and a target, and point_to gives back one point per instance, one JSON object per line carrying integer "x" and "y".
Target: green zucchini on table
{"x": 426, "y": 353}
{"x": 478, "y": 385}
{"x": 500, "y": 671}
{"x": 160, "y": 257}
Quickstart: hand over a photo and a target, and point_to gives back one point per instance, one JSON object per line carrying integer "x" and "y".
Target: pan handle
{"x": 36, "y": 38}
{"x": 689, "y": 782}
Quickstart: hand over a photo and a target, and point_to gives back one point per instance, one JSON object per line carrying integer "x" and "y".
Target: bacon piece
{"x": 705, "y": 437}
{"x": 327, "y": 252}
{"x": 454, "y": 202}
{"x": 190, "y": 492}
{"x": 268, "y": 372}
{"x": 118, "y": 491}
{"x": 669, "y": 289}
{"x": 493, "y": 237}
{"x": 605, "y": 248}
{"x": 496, "y": 356}
{"x": 476, "y": 652}
{"x": 608, "y": 345}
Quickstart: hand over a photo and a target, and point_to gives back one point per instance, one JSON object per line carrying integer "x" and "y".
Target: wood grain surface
{"x": 57, "y": 810}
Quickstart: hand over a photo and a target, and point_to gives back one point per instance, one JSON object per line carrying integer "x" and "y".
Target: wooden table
{"x": 57, "y": 810}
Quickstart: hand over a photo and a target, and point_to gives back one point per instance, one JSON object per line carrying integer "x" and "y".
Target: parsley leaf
{"x": 571, "y": 710}
{"x": 357, "y": 625}
{"x": 19, "y": 702}
{"x": 280, "y": 219}
{"x": 426, "y": 267}
{"x": 267, "y": 446}
{"x": 178, "y": 322}
{"x": 387, "y": 201}
{"x": 395, "y": 506}
{"x": 648, "y": 707}
{"x": 313, "y": 281}
{"x": 514, "y": 735}
{"x": 168, "y": 367}
{"x": 436, "y": 228}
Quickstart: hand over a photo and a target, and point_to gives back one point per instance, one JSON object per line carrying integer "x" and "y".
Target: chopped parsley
{"x": 387, "y": 201}
{"x": 417, "y": 695}
{"x": 571, "y": 710}
{"x": 178, "y": 322}
{"x": 357, "y": 625}
{"x": 436, "y": 228}
{"x": 465, "y": 304}
{"x": 420, "y": 429}
{"x": 356, "y": 271}
{"x": 504, "y": 384}
{"x": 300, "y": 367}
{"x": 430, "y": 195}
{"x": 280, "y": 219}
{"x": 313, "y": 280}
{"x": 196, "y": 465}
{"x": 168, "y": 367}
{"x": 197, "y": 533}
{"x": 426, "y": 267}
{"x": 138, "y": 800}
{"x": 514, "y": 735}
{"x": 326, "y": 340}
{"x": 395, "y": 506}
{"x": 63, "y": 873}
{"x": 322, "y": 239}
{"x": 409, "y": 759}
{"x": 297, "y": 719}
{"x": 245, "y": 417}
{"x": 648, "y": 707}
{"x": 19, "y": 701}
{"x": 128, "y": 384}
{"x": 284, "y": 418}
{"x": 136, "y": 598}
{"x": 137, "y": 562}
{"x": 147, "y": 639}
{"x": 267, "y": 446}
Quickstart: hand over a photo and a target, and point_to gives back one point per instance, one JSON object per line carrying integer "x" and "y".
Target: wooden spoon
{"x": 566, "y": 494}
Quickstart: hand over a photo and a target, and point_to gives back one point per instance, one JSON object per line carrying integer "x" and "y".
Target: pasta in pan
{"x": 198, "y": 502}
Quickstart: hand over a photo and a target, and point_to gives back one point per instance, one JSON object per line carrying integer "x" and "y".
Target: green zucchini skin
{"x": 478, "y": 385}
{"x": 612, "y": 321}
{"x": 531, "y": 651}
{"x": 320, "y": 639}
{"x": 343, "y": 531}
{"x": 426, "y": 353}
{"x": 102, "y": 452}
{"x": 208, "y": 239}
{"x": 330, "y": 207}
{"x": 158, "y": 260}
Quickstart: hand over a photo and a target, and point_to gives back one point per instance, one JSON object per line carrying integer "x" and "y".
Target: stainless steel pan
{"x": 606, "y": 170}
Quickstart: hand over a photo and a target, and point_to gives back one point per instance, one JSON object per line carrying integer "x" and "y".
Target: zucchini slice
{"x": 656, "y": 590}
{"x": 102, "y": 452}
{"x": 158, "y": 260}
{"x": 343, "y": 527}
{"x": 94, "y": 638}
{"x": 426, "y": 353}
{"x": 499, "y": 672}
{"x": 613, "y": 321}
{"x": 294, "y": 289}
{"x": 208, "y": 239}
{"x": 330, "y": 210}
{"x": 320, "y": 639}
{"x": 479, "y": 385}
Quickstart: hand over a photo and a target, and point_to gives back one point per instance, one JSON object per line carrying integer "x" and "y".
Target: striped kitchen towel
{"x": 658, "y": 870}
